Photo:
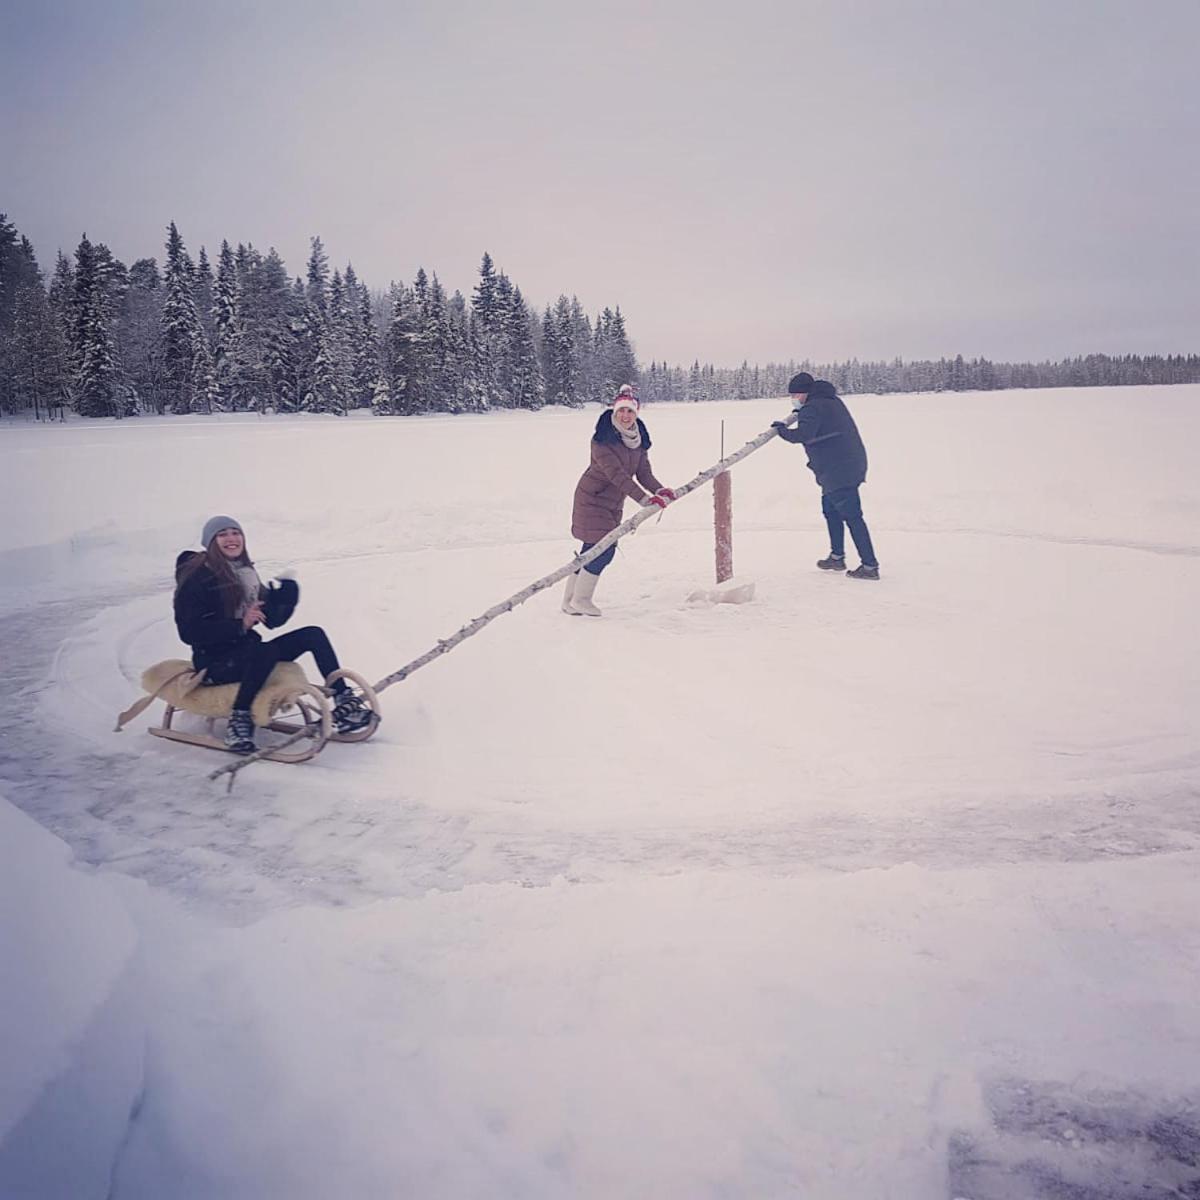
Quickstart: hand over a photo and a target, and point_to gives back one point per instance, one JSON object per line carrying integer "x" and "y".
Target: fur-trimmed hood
{"x": 184, "y": 557}
{"x": 607, "y": 434}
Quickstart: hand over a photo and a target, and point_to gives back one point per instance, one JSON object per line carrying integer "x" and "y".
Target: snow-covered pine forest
{"x": 102, "y": 339}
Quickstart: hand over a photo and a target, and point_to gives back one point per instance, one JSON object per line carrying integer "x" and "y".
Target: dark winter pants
{"x": 286, "y": 648}
{"x": 601, "y": 560}
{"x": 843, "y": 508}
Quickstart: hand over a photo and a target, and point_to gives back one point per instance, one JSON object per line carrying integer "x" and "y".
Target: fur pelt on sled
{"x": 285, "y": 680}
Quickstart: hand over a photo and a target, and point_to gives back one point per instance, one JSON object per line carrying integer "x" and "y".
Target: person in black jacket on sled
{"x": 219, "y": 599}
{"x": 838, "y": 458}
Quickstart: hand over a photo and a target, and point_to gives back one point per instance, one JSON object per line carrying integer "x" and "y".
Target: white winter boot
{"x": 581, "y": 598}
{"x": 568, "y": 592}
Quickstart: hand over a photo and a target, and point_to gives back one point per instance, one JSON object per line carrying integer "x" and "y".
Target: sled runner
{"x": 288, "y": 693}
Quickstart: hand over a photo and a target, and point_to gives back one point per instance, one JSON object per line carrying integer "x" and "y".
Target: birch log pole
{"x": 579, "y": 561}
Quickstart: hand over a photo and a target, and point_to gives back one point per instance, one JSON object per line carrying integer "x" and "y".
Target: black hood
{"x": 608, "y": 434}
{"x": 821, "y": 387}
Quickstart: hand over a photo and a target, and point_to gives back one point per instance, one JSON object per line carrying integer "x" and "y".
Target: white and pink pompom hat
{"x": 626, "y": 398}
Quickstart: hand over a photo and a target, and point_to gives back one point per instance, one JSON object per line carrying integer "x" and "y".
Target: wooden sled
{"x": 288, "y": 693}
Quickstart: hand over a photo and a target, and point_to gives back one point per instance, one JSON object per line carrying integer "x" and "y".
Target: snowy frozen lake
{"x": 871, "y": 890}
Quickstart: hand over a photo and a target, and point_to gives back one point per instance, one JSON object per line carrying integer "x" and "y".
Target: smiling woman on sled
{"x": 219, "y": 599}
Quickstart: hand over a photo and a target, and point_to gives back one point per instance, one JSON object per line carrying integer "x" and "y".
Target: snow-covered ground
{"x": 856, "y": 890}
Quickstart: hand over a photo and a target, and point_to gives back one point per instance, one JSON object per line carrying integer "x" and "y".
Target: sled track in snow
{"x": 154, "y": 816}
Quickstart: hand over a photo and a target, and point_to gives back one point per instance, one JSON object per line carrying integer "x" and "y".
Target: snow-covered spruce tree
{"x": 62, "y": 293}
{"x": 567, "y": 377}
{"x": 277, "y": 308}
{"x": 259, "y": 372}
{"x": 469, "y": 395}
{"x": 340, "y": 336}
{"x": 316, "y": 288}
{"x": 19, "y": 275}
{"x": 242, "y": 372}
{"x": 8, "y": 275}
{"x": 204, "y": 385}
{"x": 525, "y": 384}
{"x": 381, "y": 401}
{"x": 621, "y": 362}
{"x": 313, "y": 377}
{"x": 487, "y": 333}
{"x": 224, "y": 332}
{"x": 97, "y": 385}
{"x": 18, "y": 268}
{"x": 362, "y": 342}
{"x": 35, "y": 356}
{"x": 614, "y": 361}
{"x": 588, "y": 386}
{"x": 202, "y": 295}
{"x": 330, "y": 381}
{"x": 138, "y": 334}
{"x": 502, "y": 345}
{"x": 443, "y": 386}
{"x": 599, "y": 380}
{"x": 408, "y": 356}
{"x": 455, "y": 382}
{"x": 368, "y": 375}
{"x": 180, "y": 327}
{"x": 325, "y": 395}
{"x": 301, "y": 353}
{"x": 550, "y": 357}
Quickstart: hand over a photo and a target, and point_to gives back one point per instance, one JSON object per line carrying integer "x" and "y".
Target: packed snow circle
{"x": 870, "y": 890}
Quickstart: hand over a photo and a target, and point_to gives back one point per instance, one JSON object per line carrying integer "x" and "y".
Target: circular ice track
{"x": 986, "y": 701}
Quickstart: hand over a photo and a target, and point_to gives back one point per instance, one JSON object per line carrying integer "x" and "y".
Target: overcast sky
{"x": 746, "y": 179}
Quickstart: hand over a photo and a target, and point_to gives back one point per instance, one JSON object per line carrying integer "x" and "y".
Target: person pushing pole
{"x": 838, "y": 458}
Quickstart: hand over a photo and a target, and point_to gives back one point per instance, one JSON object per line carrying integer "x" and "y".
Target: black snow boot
{"x": 350, "y": 714}
{"x": 239, "y": 733}
{"x": 835, "y": 562}
{"x": 863, "y": 572}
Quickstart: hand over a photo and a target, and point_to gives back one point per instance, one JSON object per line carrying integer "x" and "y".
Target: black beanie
{"x": 800, "y": 383}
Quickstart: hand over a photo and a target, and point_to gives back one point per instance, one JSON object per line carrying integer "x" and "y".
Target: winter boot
{"x": 835, "y": 562}
{"x": 568, "y": 593}
{"x": 350, "y": 714}
{"x": 863, "y": 572}
{"x": 239, "y": 732}
{"x": 581, "y": 598}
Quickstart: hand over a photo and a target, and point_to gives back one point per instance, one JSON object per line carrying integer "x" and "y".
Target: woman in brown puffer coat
{"x": 620, "y": 456}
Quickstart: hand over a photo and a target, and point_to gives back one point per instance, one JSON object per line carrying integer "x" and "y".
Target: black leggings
{"x": 286, "y": 648}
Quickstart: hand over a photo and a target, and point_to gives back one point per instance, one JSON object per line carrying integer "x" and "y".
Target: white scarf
{"x": 247, "y": 576}
{"x": 632, "y": 437}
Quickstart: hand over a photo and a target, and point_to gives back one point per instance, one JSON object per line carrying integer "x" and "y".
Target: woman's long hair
{"x": 215, "y": 561}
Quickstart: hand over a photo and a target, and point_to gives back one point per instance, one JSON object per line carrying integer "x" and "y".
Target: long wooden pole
{"x": 579, "y": 561}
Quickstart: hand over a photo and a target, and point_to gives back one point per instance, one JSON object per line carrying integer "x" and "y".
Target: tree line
{"x": 673, "y": 384}
{"x": 102, "y": 340}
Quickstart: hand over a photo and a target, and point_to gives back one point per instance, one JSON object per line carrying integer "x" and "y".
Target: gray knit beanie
{"x": 214, "y": 525}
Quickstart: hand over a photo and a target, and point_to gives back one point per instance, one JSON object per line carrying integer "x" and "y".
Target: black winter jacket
{"x": 200, "y": 617}
{"x": 836, "y": 454}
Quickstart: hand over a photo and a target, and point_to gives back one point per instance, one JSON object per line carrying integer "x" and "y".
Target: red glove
{"x": 659, "y": 499}
{"x": 667, "y": 494}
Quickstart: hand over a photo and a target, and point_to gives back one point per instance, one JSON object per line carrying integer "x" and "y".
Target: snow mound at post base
{"x": 732, "y": 591}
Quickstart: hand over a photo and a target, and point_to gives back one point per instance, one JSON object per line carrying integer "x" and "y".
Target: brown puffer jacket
{"x": 602, "y": 488}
